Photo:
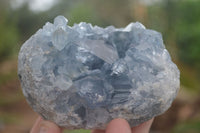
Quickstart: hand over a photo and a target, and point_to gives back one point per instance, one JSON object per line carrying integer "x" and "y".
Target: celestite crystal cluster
{"x": 84, "y": 76}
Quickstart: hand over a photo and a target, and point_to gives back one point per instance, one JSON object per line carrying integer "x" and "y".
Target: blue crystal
{"x": 84, "y": 76}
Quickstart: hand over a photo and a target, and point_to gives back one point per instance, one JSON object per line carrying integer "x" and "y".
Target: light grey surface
{"x": 84, "y": 76}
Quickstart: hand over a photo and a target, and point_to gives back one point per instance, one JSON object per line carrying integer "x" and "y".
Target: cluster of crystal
{"x": 84, "y": 76}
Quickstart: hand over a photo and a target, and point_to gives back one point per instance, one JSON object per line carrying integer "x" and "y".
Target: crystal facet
{"x": 84, "y": 76}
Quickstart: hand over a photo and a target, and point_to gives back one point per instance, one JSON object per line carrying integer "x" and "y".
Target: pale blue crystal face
{"x": 84, "y": 76}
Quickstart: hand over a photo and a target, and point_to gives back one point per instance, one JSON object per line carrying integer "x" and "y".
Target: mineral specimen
{"x": 84, "y": 76}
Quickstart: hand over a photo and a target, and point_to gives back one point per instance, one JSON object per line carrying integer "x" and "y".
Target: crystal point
{"x": 60, "y": 21}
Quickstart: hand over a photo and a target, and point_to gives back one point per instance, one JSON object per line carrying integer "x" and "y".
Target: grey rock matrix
{"x": 84, "y": 76}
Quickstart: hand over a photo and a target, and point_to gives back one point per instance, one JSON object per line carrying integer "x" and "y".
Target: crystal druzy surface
{"x": 84, "y": 76}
